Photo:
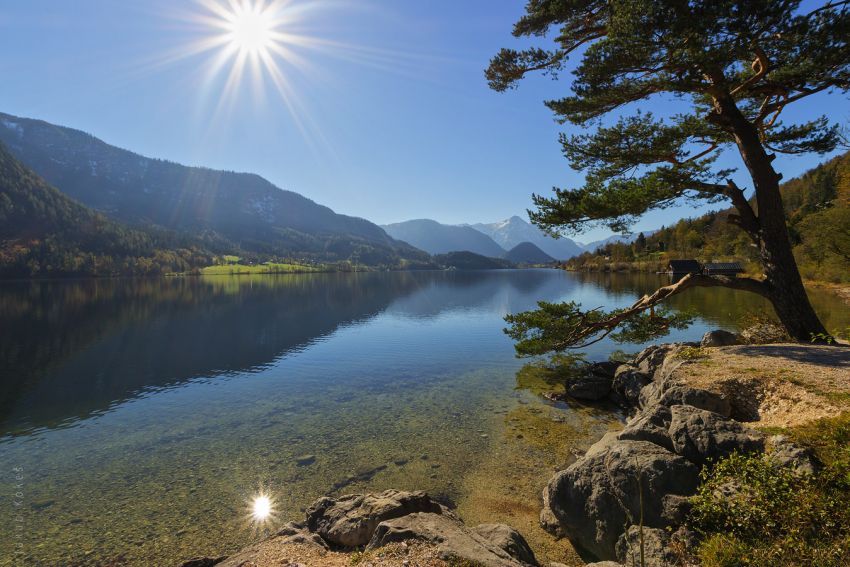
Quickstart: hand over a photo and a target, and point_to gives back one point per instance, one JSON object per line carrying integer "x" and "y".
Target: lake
{"x": 144, "y": 415}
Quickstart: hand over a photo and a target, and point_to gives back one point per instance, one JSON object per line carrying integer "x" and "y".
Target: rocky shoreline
{"x": 640, "y": 479}
{"x": 371, "y": 522}
{"x": 631, "y": 489}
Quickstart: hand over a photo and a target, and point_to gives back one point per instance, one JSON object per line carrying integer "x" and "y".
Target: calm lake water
{"x": 143, "y": 415}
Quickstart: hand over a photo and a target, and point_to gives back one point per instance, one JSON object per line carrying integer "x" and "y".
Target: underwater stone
{"x": 305, "y": 460}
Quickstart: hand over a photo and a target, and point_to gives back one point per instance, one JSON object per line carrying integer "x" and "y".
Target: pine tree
{"x": 735, "y": 65}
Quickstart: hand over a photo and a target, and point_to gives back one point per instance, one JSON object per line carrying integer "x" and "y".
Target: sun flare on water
{"x": 261, "y": 508}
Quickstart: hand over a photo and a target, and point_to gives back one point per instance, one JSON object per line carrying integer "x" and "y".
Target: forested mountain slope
{"x": 44, "y": 233}
{"x": 244, "y": 209}
{"x": 817, "y": 205}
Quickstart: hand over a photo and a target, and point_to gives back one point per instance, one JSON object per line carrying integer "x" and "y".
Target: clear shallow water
{"x": 144, "y": 414}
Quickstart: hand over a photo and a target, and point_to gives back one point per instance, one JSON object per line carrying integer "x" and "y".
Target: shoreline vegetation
{"x": 816, "y": 206}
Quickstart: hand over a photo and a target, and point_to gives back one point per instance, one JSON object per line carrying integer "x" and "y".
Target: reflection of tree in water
{"x": 451, "y": 290}
{"x": 68, "y": 349}
{"x": 719, "y": 306}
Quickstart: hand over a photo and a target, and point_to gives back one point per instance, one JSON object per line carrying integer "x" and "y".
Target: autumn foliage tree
{"x": 730, "y": 69}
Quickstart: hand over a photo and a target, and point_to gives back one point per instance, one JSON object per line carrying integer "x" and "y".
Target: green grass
{"x": 265, "y": 268}
{"x": 691, "y": 353}
{"x": 777, "y": 518}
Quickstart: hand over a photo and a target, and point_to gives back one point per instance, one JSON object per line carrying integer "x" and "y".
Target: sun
{"x": 251, "y": 39}
{"x": 251, "y": 28}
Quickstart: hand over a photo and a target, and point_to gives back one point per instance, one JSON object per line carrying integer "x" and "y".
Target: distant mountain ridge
{"x": 437, "y": 238}
{"x": 616, "y": 238}
{"x": 242, "y": 209}
{"x": 513, "y": 231}
{"x": 528, "y": 253}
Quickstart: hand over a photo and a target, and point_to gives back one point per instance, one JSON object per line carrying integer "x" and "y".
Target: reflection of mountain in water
{"x": 72, "y": 348}
{"x": 507, "y": 290}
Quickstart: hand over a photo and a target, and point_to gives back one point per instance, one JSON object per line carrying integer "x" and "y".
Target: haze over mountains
{"x": 514, "y": 238}
{"x": 230, "y": 211}
{"x": 436, "y": 238}
{"x": 515, "y": 230}
{"x": 163, "y": 216}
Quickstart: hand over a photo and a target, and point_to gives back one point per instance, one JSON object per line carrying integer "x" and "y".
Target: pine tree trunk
{"x": 787, "y": 294}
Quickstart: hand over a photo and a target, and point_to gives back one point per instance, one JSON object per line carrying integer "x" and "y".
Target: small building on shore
{"x": 684, "y": 267}
{"x": 722, "y": 268}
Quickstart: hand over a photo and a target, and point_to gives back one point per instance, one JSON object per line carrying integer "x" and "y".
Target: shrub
{"x": 753, "y": 512}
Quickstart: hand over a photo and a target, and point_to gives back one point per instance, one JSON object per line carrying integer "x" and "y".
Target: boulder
{"x": 700, "y": 435}
{"x": 298, "y": 533}
{"x": 650, "y": 359}
{"x": 628, "y": 382}
{"x": 784, "y": 452}
{"x": 659, "y": 393}
{"x": 350, "y": 521}
{"x": 764, "y": 333}
{"x": 656, "y": 551}
{"x": 592, "y": 500}
{"x": 659, "y": 360}
{"x": 593, "y": 384}
{"x": 507, "y": 539}
{"x": 451, "y": 538}
{"x": 651, "y": 425}
{"x": 719, "y": 338}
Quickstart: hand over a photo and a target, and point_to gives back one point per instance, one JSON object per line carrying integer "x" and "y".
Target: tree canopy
{"x": 660, "y": 88}
{"x": 760, "y": 55}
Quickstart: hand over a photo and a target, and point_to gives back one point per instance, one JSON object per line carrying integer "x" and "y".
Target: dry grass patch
{"x": 776, "y": 385}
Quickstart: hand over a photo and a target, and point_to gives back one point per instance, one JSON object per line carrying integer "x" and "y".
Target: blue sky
{"x": 396, "y": 119}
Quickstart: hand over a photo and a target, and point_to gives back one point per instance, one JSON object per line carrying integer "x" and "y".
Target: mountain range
{"x": 515, "y": 230}
{"x": 43, "y": 232}
{"x": 436, "y": 238}
{"x": 164, "y": 216}
{"x": 498, "y": 240}
{"x": 230, "y": 212}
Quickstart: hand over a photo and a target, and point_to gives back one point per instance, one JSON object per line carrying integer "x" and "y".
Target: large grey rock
{"x": 786, "y": 453}
{"x": 603, "y": 564}
{"x": 298, "y": 533}
{"x": 719, "y": 338}
{"x": 650, "y": 359}
{"x": 508, "y": 539}
{"x": 700, "y": 435}
{"x": 656, "y": 551}
{"x": 594, "y": 383}
{"x": 650, "y": 425}
{"x": 592, "y": 500}
{"x": 764, "y": 333}
{"x": 288, "y": 534}
{"x": 450, "y": 537}
{"x": 350, "y": 521}
{"x": 670, "y": 394}
{"x": 628, "y": 382}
